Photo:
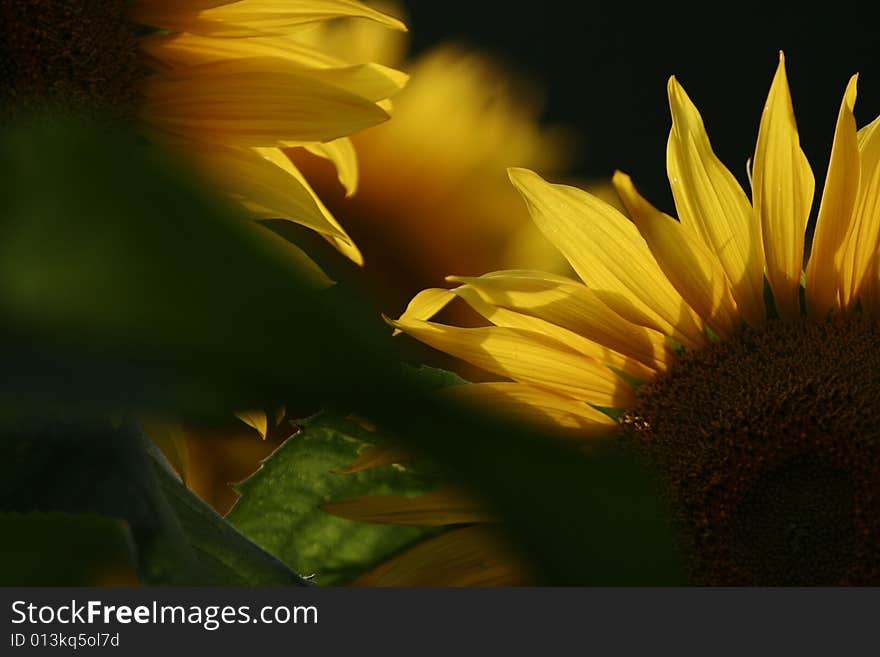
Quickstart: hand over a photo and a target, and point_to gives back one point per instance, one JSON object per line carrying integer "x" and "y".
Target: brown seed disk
{"x": 75, "y": 55}
{"x": 768, "y": 445}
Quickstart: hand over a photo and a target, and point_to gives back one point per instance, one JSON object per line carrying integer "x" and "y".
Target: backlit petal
{"x": 343, "y": 156}
{"x": 249, "y": 17}
{"x": 518, "y": 401}
{"x": 711, "y": 202}
{"x": 256, "y": 420}
{"x": 259, "y": 101}
{"x": 267, "y": 184}
{"x": 339, "y": 238}
{"x": 607, "y": 252}
{"x": 690, "y": 266}
{"x": 864, "y": 236}
{"x": 501, "y": 316}
{"x": 824, "y": 268}
{"x": 571, "y": 305}
{"x": 527, "y": 357}
{"x": 426, "y": 304}
{"x": 782, "y": 186}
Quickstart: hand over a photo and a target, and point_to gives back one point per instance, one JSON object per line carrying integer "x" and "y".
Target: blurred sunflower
{"x": 700, "y": 344}
{"x": 226, "y": 82}
{"x": 434, "y": 193}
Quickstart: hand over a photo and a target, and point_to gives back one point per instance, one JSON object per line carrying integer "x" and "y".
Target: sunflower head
{"x": 225, "y": 83}
{"x": 81, "y": 56}
{"x": 702, "y": 344}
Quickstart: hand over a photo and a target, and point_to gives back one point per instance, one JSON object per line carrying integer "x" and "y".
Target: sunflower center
{"x": 768, "y": 446}
{"x": 78, "y": 55}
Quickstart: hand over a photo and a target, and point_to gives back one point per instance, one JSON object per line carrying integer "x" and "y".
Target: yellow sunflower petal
{"x": 370, "y": 81}
{"x": 259, "y": 101}
{"x": 339, "y": 239}
{"x": 250, "y": 17}
{"x": 688, "y": 264}
{"x": 571, "y": 305}
{"x": 187, "y": 49}
{"x": 711, "y": 202}
{"x": 607, "y": 252}
{"x": 265, "y": 186}
{"x": 471, "y": 556}
{"x": 864, "y": 236}
{"x": 501, "y": 316}
{"x": 445, "y": 506}
{"x": 518, "y": 401}
{"x": 255, "y": 419}
{"x": 782, "y": 186}
{"x": 527, "y": 357}
{"x": 426, "y": 304}
{"x": 343, "y": 156}
{"x": 835, "y": 212}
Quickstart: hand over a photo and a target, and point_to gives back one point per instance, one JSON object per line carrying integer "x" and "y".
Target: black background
{"x": 605, "y": 67}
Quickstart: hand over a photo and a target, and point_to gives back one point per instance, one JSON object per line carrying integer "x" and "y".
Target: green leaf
{"x": 430, "y": 378}
{"x": 101, "y": 470}
{"x": 279, "y": 504}
{"x": 61, "y": 549}
{"x": 95, "y": 466}
{"x": 225, "y": 557}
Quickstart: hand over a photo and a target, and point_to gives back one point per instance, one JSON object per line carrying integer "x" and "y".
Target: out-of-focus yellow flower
{"x": 434, "y": 191}
{"x": 702, "y": 345}
{"x": 227, "y": 82}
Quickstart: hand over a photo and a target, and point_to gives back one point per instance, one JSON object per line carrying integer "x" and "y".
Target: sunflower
{"x": 749, "y": 385}
{"x": 228, "y": 83}
{"x": 433, "y": 178}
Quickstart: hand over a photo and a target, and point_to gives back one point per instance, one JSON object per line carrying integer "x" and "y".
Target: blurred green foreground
{"x": 127, "y": 289}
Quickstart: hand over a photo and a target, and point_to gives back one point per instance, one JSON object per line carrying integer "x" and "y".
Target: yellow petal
{"x": 471, "y": 556}
{"x": 255, "y": 101}
{"x": 688, "y": 264}
{"x": 445, "y": 506}
{"x": 426, "y": 304}
{"x": 249, "y": 17}
{"x": 187, "y": 49}
{"x": 571, "y": 305}
{"x": 255, "y": 419}
{"x": 518, "y": 401}
{"x": 782, "y": 187}
{"x": 265, "y": 182}
{"x": 501, "y": 316}
{"x": 342, "y": 154}
{"x": 864, "y": 235}
{"x": 370, "y": 81}
{"x": 711, "y": 202}
{"x": 527, "y": 357}
{"x": 835, "y": 211}
{"x": 607, "y": 252}
{"x": 261, "y": 182}
{"x": 339, "y": 239}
